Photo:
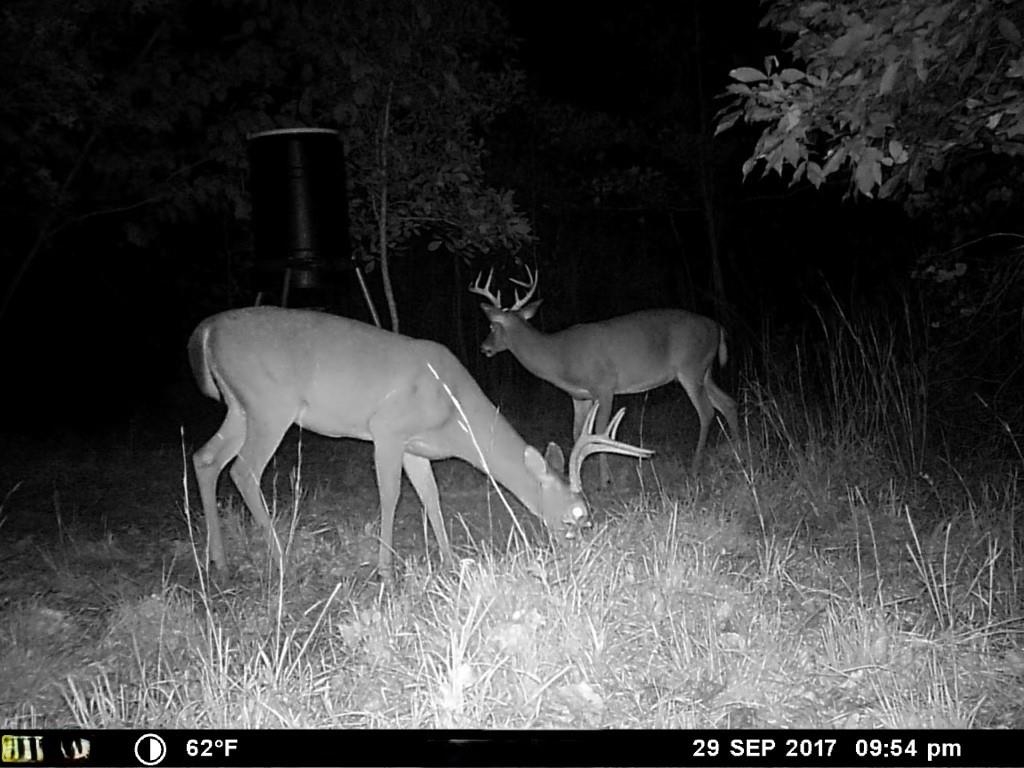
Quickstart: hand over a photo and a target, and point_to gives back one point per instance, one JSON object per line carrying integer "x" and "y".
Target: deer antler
{"x": 530, "y": 285}
{"x": 604, "y": 442}
{"x": 486, "y": 290}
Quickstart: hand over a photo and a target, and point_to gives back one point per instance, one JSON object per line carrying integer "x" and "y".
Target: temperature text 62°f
{"x": 211, "y": 747}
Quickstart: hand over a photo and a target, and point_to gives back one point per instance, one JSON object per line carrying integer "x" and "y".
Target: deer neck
{"x": 501, "y": 454}
{"x": 537, "y": 352}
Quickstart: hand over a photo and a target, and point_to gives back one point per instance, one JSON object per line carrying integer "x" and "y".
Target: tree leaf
{"x": 727, "y": 122}
{"x": 834, "y": 161}
{"x": 814, "y": 174}
{"x": 747, "y": 75}
{"x": 889, "y": 78}
{"x": 898, "y": 152}
{"x": 852, "y": 42}
{"x": 1009, "y": 30}
{"x": 810, "y": 10}
{"x": 853, "y": 79}
{"x": 868, "y": 173}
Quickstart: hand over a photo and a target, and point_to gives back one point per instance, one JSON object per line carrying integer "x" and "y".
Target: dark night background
{"x": 125, "y": 204}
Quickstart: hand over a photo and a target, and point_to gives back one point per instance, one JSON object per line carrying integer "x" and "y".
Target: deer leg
{"x": 580, "y": 409}
{"x": 723, "y": 404}
{"x": 262, "y": 438}
{"x": 209, "y": 461}
{"x": 604, "y": 411}
{"x": 420, "y": 474}
{"x": 387, "y": 458}
{"x": 705, "y": 413}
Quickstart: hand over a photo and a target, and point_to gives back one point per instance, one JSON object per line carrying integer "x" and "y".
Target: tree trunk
{"x": 707, "y": 181}
{"x": 382, "y": 215}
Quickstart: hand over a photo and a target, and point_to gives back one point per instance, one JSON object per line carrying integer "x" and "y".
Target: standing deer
{"x": 625, "y": 355}
{"x": 338, "y": 377}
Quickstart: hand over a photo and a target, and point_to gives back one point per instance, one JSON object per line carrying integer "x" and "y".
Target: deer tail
{"x": 199, "y": 359}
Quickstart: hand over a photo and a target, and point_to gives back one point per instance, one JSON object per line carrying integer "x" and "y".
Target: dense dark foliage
{"x": 482, "y": 135}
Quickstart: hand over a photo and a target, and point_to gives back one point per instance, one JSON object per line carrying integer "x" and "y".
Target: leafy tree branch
{"x": 889, "y": 95}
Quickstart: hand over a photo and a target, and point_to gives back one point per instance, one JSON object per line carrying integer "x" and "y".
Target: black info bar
{"x": 313, "y": 748}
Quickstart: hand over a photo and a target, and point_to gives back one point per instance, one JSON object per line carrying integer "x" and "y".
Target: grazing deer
{"x": 625, "y": 355}
{"x": 338, "y": 377}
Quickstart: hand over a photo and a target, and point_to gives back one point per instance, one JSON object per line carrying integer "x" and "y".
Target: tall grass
{"x": 851, "y": 385}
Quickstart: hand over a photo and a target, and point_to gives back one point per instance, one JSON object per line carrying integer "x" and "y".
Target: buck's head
{"x": 561, "y": 507}
{"x": 504, "y": 322}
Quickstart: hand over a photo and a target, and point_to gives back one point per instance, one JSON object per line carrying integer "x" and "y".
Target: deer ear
{"x": 555, "y": 458}
{"x": 490, "y": 310}
{"x": 530, "y": 309}
{"x": 536, "y": 464}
